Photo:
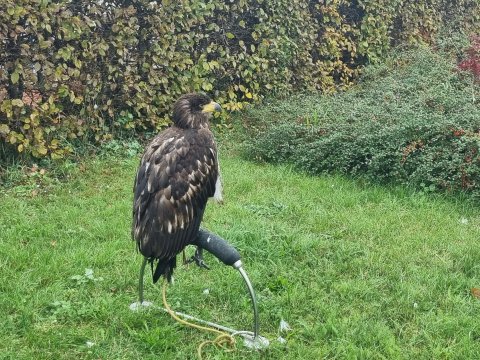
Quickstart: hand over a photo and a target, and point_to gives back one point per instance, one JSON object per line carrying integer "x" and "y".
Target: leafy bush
{"x": 472, "y": 61}
{"x": 412, "y": 120}
{"x": 76, "y": 71}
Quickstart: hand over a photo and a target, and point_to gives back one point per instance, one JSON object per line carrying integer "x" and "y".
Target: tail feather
{"x": 165, "y": 268}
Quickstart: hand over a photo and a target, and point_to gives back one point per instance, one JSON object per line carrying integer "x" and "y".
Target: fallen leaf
{"x": 475, "y": 292}
{"x": 53, "y": 243}
{"x": 284, "y": 326}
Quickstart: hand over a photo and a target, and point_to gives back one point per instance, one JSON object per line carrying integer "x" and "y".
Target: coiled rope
{"x": 224, "y": 340}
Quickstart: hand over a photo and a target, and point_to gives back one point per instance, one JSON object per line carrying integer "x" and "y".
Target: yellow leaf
{"x": 475, "y": 292}
{"x": 17, "y": 102}
{"x": 56, "y": 155}
{"x": 20, "y": 148}
{"x": 38, "y": 133}
{"x": 207, "y": 86}
{"x": 42, "y": 150}
{"x": 15, "y": 77}
{"x": 4, "y": 129}
{"x": 249, "y": 95}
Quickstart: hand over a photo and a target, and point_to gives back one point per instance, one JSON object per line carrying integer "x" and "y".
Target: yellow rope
{"x": 224, "y": 340}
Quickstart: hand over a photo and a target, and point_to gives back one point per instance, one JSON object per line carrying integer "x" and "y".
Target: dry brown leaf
{"x": 475, "y": 292}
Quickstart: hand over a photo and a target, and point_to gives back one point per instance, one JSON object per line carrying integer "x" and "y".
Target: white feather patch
{"x": 179, "y": 140}
{"x": 218, "y": 195}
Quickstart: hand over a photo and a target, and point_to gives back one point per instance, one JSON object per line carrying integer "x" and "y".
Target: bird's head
{"x": 193, "y": 110}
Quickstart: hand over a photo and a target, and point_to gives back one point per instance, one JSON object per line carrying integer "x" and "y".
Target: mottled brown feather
{"x": 176, "y": 176}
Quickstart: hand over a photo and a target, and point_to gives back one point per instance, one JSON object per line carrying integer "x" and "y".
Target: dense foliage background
{"x": 88, "y": 71}
{"x": 413, "y": 120}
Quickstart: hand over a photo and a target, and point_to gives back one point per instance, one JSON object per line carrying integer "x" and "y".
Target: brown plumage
{"x": 177, "y": 174}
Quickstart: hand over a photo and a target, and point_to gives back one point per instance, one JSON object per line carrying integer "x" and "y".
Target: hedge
{"x": 76, "y": 71}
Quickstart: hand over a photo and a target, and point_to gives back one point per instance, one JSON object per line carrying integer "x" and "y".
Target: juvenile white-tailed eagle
{"x": 178, "y": 172}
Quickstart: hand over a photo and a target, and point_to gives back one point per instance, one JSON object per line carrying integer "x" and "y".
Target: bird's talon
{"x": 202, "y": 264}
{"x": 199, "y": 262}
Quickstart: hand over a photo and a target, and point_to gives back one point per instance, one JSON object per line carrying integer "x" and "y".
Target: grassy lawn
{"x": 358, "y": 272}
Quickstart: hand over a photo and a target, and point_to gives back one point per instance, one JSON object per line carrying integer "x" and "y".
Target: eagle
{"x": 178, "y": 173}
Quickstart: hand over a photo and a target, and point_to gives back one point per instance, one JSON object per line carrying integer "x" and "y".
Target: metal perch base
{"x": 229, "y": 256}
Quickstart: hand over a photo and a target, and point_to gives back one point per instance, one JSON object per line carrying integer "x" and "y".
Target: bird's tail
{"x": 164, "y": 267}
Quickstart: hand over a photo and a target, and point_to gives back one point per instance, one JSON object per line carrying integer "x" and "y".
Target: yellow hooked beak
{"x": 211, "y": 107}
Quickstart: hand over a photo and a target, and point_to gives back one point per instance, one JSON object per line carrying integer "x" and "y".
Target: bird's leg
{"x": 198, "y": 258}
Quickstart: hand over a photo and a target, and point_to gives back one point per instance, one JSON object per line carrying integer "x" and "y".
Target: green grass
{"x": 358, "y": 272}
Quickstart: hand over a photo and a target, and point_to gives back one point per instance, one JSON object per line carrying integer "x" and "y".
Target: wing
{"x": 176, "y": 176}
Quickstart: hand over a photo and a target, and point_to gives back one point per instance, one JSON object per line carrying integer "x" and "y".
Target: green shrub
{"x": 412, "y": 120}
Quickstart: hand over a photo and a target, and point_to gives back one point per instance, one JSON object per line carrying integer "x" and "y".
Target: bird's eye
{"x": 199, "y": 106}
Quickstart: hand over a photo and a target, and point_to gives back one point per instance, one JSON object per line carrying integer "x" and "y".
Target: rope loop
{"x": 223, "y": 340}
